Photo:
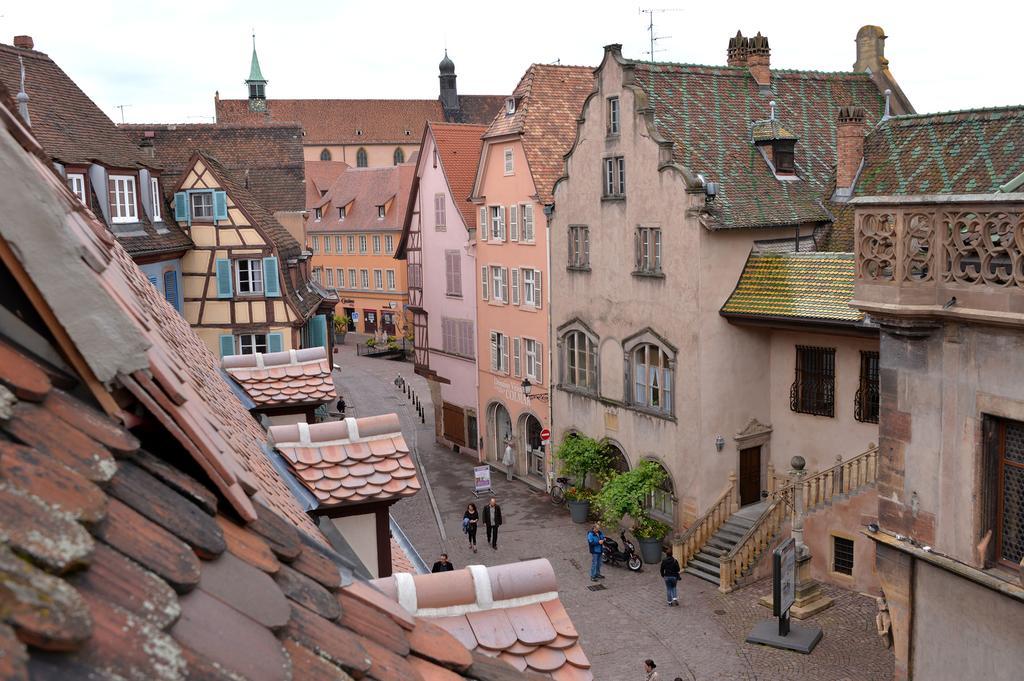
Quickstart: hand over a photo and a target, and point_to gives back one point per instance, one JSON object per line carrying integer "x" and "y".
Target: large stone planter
{"x": 650, "y": 549}
{"x": 579, "y": 510}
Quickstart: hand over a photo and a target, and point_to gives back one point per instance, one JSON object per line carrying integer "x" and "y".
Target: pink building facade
{"x": 438, "y": 246}
{"x": 519, "y": 163}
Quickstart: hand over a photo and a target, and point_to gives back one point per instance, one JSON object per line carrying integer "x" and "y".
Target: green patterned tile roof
{"x": 796, "y": 286}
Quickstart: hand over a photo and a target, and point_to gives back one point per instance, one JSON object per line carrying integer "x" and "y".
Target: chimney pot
{"x": 737, "y": 52}
{"x": 24, "y": 42}
{"x": 759, "y": 60}
{"x": 849, "y": 146}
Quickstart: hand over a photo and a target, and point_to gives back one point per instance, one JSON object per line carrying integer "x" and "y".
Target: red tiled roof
{"x": 400, "y": 561}
{"x": 511, "y": 612}
{"x": 266, "y": 159}
{"x": 549, "y": 100}
{"x": 479, "y": 109}
{"x": 350, "y": 461}
{"x": 459, "y": 148}
{"x": 362, "y": 190}
{"x": 283, "y": 378}
{"x": 320, "y": 176}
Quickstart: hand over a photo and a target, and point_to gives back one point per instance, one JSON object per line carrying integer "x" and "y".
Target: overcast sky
{"x": 166, "y": 59}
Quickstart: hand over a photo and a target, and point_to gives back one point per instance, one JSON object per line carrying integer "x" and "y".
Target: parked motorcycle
{"x": 612, "y": 555}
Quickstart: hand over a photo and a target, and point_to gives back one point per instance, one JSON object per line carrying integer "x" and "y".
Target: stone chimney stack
{"x": 759, "y": 60}
{"x": 849, "y": 146}
{"x": 24, "y": 42}
{"x": 737, "y": 52}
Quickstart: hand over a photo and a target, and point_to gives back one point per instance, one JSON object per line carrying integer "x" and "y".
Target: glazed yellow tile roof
{"x": 811, "y": 286}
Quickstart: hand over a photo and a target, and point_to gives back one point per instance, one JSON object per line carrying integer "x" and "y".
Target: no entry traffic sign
{"x": 545, "y": 435}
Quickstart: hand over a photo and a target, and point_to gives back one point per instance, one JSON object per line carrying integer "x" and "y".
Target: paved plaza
{"x": 628, "y": 621}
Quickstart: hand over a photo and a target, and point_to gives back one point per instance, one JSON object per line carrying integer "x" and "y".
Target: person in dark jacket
{"x": 470, "y": 520}
{"x": 443, "y": 565}
{"x": 670, "y": 573}
{"x": 595, "y": 540}
{"x": 492, "y": 521}
{"x": 341, "y": 406}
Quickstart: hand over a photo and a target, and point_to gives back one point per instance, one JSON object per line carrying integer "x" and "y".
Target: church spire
{"x": 256, "y": 82}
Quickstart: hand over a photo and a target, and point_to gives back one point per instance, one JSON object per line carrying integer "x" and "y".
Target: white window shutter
{"x": 516, "y": 361}
{"x": 502, "y": 227}
{"x": 515, "y": 285}
{"x": 513, "y": 219}
{"x": 540, "y": 362}
{"x": 483, "y": 282}
{"x": 537, "y": 297}
{"x": 494, "y": 351}
{"x": 504, "y": 284}
{"x": 481, "y": 229}
{"x": 505, "y": 352}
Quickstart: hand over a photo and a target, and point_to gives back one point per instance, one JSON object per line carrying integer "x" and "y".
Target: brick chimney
{"x": 758, "y": 60}
{"x": 849, "y": 146}
{"x": 737, "y": 53}
{"x": 24, "y": 42}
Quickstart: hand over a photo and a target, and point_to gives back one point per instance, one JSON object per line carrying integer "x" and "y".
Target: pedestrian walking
{"x": 508, "y": 459}
{"x": 492, "y": 521}
{"x": 443, "y": 565}
{"x": 470, "y": 519}
{"x": 341, "y": 406}
{"x": 649, "y": 668}
{"x": 595, "y": 540}
{"x": 670, "y": 573}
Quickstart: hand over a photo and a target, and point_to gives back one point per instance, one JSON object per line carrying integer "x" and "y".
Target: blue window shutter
{"x": 227, "y": 345}
{"x": 275, "y": 342}
{"x": 152, "y": 280}
{"x": 180, "y": 206}
{"x": 220, "y": 206}
{"x": 171, "y": 288}
{"x": 318, "y": 330}
{"x": 271, "y": 280}
{"x": 224, "y": 279}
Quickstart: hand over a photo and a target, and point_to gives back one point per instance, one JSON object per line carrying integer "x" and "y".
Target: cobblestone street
{"x": 628, "y": 621}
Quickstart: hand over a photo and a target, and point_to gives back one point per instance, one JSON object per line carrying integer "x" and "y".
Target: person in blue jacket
{"x": 595, "y": 539}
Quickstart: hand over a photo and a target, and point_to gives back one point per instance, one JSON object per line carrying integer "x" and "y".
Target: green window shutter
{"x": 275, "y": 342}
{"x": 318, "y": 330}
{"x": 227, "y": 345}
{"x": 271, "y": 280}
{"x": 224, "y": 279}
{"x": 220, "y": 206}
{"x": 180, "y": 206}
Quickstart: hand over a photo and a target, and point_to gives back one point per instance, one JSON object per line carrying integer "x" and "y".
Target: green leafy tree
{"x": 625, "y": 494}
{"x": 580, "y": 455}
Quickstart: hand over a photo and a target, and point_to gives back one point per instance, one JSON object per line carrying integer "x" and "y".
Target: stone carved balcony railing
{"x": 936, "y": 256}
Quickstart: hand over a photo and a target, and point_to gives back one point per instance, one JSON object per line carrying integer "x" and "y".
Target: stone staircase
{"x": 707, "y": 563}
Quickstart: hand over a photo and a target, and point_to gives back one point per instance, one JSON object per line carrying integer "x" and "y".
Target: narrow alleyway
{"x": 627, "y": 621}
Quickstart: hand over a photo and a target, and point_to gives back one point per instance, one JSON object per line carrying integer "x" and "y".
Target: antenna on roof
{"x": 557, "y": 62}
{"x": 650, "y": 28}
{"x": 122, "y": 107}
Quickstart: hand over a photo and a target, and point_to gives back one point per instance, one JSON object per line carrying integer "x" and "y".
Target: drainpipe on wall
{"x": 549, "y": 211}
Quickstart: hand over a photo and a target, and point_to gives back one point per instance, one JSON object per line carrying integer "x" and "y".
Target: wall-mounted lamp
{"x": 719, "y": 443}
{"x": 528, "y": 391}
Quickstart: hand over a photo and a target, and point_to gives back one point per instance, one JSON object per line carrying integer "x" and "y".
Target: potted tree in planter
{"x": 625, "y": 494}
{"x": 341, "y": 322}
{"x": 580, "y": 455}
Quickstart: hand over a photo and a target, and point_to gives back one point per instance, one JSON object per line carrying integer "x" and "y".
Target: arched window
{"x": 325, "y": 155}
{"x": 399, "y": 156}
{"x": 618, "y": 460}
{"x": 662, "y": 501}
{"x": 579, "y": 361}
{"x": 650, "y": 369}
{"x": 361, "y": 161}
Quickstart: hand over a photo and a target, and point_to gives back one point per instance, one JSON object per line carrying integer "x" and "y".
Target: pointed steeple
{"x": 256, "y": 82}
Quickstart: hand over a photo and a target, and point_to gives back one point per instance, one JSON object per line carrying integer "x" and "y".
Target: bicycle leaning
{"x": 557, "y": 492}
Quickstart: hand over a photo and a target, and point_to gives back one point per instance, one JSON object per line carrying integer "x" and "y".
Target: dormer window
{"x": 318, "y": 213}
{"x": 323, "y": 192}
{"x": 359, "y": 132}
{"x": 380, "y": 212}
{"x": 121, "y": 193}
{"x": 341, "y": 214}
{"x": 783, "y": 155}
{"x": 510, "y": 105}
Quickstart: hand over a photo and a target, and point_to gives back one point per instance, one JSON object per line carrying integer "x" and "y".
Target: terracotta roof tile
{"x": 258, "y": 374}
{"x": 346, "y": 462}
{"x": 361, "y": 191}
{"x": 549, "y": 100}
{"x": 51, "y": 481}
{"x": 13, "y": 656}
{"x": 459, "y": 149}
{"x": 248, "y": 546}
{"x": 54, "y": 541}
{"x": 304, "y": 591}
{"x": 23, "y": 376}
{"x": 795, "y": 286}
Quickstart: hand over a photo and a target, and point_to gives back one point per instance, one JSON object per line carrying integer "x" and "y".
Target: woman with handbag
{"x": 670, "y": 573}
{"x": 469, "y": 522}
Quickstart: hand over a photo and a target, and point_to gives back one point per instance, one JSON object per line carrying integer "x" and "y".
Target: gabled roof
{"x": 362, "y": 190}
{"x": 795, "y": 287}
{"x": 479, "y": 109}
{"x": 458, "y": 147}
{"x": 707, "y": 113}
{"x": 549, "y": 100}
{"x": 320, "y": 175}
{"x": 511, "y": 612}
{"x": 351, "y": 461}
{"x": 281, "y": 379}
{"x": 266, "y": 159}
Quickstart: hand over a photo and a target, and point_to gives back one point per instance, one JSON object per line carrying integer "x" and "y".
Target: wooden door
{"x": 750, "y": 475}
{"x": 454, "y": 423}
{"x": 370, "y": 321}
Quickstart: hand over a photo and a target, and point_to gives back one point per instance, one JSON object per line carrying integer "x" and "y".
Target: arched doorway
{"x": 662, "y": 502}
{"x": 618, "y": 460}
{"x": 501, "y": 430}
{"x": 531, "y": 446}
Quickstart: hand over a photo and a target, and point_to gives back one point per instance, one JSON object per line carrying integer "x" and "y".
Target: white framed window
{"x": 340, "y": 278}
{"x": 251, "y": 343}
{"x": 615, "y": 176}
{"x": 453, "y": 273}
{"x": 499, "y": 352}
{"x": 76, "y": 183}
{"x": 202, "y": 205}
{"x": 389, "y": 244}
{"x": 376, "y": 244}
{"x": 647, "y": 242}
{"x": 352, "y": 279}
{"x": 362, "y": 244}
{"x": 499, "y": 283}
{"x": 380, "y": 212}
{"x": 497, "y": 223}
{"x": 249, "y": 276}
{"x": 351, "y": 244}
{"x": 390, "y": 276}
{"x": 532, "y": 359}
{"x": 531, "y": 287}
{"x": 364, "y": 278}
{"x": 330, "y": 278}
{"x": 579, "y": 247}
{"x": 509, "y": 161}
{"x": 613, "y": 115}
{"x": 318, "y": 213}
{"x": 378, "y": 280}
{"x": 526, "y": 214}
{"x": 315, "y": 240}
{"x": 338, "y": 245}
{"x": 154, "y": 196}
{"x": 440, "y": 222}
{"x": 579, "y": 361}
{"x": 121, "y": 192}
{"x": 341, "y": 213}
{"x": 651, "y": 369}
{"x": 318, "y": 274}
{"x": 327, "y": 243}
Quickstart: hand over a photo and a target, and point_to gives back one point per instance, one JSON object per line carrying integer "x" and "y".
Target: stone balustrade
{"x": 690, "y": 542}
